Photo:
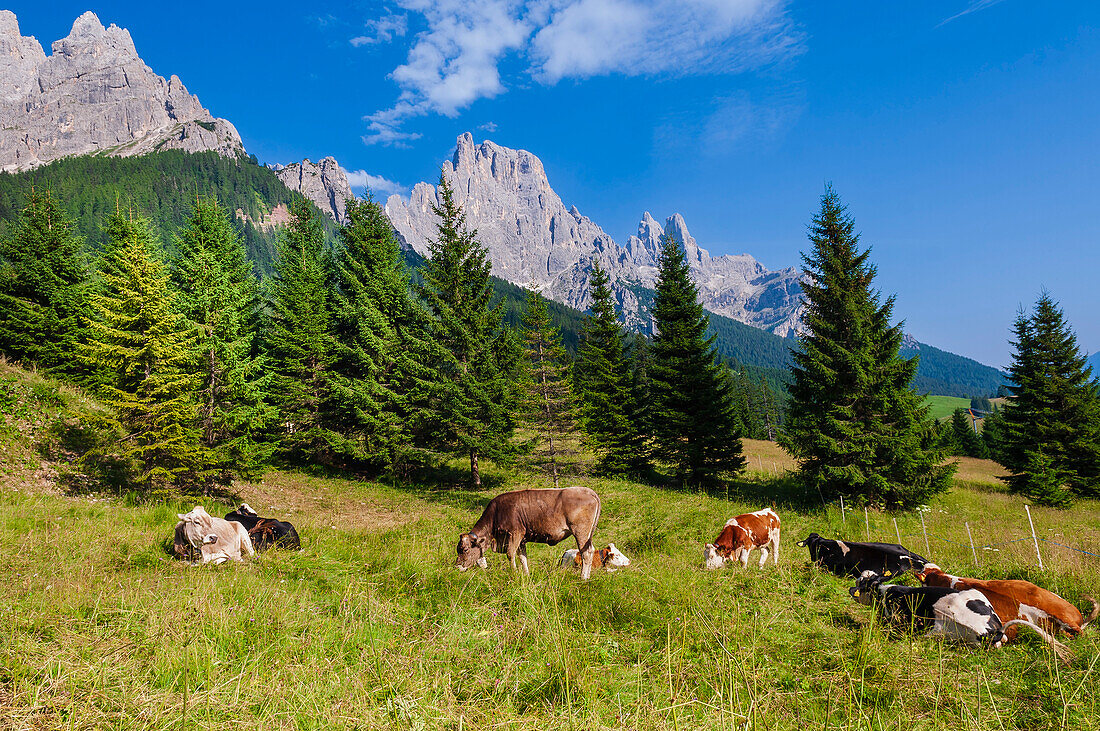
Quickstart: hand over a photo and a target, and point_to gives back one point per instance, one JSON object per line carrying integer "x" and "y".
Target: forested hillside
{"x": 163, "y": 187}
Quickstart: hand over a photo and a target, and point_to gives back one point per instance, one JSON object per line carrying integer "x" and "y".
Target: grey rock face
{"x": 325, "y": 183}
{"x": 94, "y": 95}
{"x": 534, "y": 241}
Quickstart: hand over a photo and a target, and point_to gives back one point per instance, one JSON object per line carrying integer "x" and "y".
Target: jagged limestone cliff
{"x": 94, "y": 95}
{"x": 535, "y": 241}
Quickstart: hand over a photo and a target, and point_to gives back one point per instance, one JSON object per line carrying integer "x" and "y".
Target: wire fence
{"x": 928, "y": 537}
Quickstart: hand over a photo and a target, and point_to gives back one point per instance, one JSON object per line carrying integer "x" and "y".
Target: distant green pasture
{"x": 943, "y": 406}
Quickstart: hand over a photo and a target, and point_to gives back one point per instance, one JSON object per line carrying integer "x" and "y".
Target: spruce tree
{"x": 550, "y": 406}
{"x": 853, "y": 424}
{"x": 474, "y": 398}
{"x": 299, "y": 338}
{"x": 603, "y": 386}
{"x": 145, "y": 349}
{"x": 639, "y": 358}
{"x": 993, "y": 434}
{"x": 219, "y": 297}
{"x": 694, "y": 415}
{"x": 966, "y": 441}
{"x": 43, "y": 287}
{"x": 382, "y": 352}
{"x": 1052, "y": 420}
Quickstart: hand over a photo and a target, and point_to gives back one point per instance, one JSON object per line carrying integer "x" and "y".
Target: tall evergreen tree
{"x": 382, "y": 353}
{"x": 474, "y": 397}
{"x": 603, "y": 386}
{"x": 1052, "y": 420}
{"x": 695, "y": 420}
{"x": 43, "y": 286}
{"x": 219, "y": 297}
{"x": 853, "y": 423}
{"x": 550, "y": 402}
{"x": 138, "y": 338}
{"x": 967, "y": 441}
{"x": 299, "y": 338}
{"x": 993, "y": 434}
{"x": 639, "y": 359}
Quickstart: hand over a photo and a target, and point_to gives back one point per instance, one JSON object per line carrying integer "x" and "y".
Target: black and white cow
{"x": 265, "y": 532}
{"x": 963, "y": 615}
{"x": 850, "y": 558}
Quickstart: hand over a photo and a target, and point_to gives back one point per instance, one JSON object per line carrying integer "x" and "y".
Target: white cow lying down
{"x": 218, "y": 540}
{"x": 610, "y": 558}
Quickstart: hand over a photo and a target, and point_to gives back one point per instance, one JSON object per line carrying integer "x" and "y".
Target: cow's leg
{"x": 523, "y": 558}
{"x": 763, "y": 556}
{"x": 775, "y": 548}
{"x": 515, "y": 546}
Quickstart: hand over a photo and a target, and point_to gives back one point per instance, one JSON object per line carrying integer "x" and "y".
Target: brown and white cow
{"x": 511, "y": 520}
{"x": 741, "y": 535}
{"x": 610, "y": 558}
{"x": 217, "y": 540}
{"x": 1018, "y": 599}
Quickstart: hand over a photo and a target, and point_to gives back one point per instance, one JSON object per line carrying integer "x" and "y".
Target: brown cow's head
{"x": 933, "y": 575}
{"x": 196, "y": 527}
{"x": 471, "y": 550}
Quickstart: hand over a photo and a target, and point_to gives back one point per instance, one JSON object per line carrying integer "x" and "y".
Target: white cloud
{"x": 489, "y": 127}
{"x": 973, "y": 7}
{"x": 456, "y": 60}
{"x": 378, "y": 185}
{"x": 383, "y": 30}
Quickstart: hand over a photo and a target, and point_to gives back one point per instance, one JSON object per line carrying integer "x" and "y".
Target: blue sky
{"x": 963, "y": 134}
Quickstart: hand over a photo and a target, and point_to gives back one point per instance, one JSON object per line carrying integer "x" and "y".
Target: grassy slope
{"x": 370, "y": 626}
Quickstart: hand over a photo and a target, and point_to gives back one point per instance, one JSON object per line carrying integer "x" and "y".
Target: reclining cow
{"x": 1019, "y": 599}
{"x": 216, "y": 540}
{"x": 743, "y": 534}
{"x": 511, "y": 520}
{"x": 850, "y": 558}
{"x": 265, "y": 532}
{"x": 609, "y": 558}
{"x": 945, "y": 612}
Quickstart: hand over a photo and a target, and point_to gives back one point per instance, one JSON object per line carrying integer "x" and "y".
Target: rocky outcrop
{"x": 325, "y": 183}
{"x": 535, "y": 241}
{"x": 94, "y": 95}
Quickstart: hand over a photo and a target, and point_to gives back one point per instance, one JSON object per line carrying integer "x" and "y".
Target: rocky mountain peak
{"x": 19, "y": 58}
{"x": 535, "y": 241}
{"x": 324, "y": 182}
{"x": 94, "y": 94}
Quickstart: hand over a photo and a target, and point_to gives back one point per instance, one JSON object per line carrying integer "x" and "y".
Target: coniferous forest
{"x": 335, "y": 352}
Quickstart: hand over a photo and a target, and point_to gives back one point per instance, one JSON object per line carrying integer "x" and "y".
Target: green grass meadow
{"x": 944, "y": 406}
{"x": 371, "y": 627}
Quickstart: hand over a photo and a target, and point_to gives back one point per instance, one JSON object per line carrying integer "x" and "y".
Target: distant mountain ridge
{"x": 535, "y": 241}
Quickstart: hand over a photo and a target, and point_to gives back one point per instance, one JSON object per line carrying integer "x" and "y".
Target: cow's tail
{"x": 1060, "y": 650}
{"x": 596, "y": 520}
{"x": 1093, "y": 614}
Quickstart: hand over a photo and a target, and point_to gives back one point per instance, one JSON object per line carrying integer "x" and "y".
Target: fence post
{"x": 1033, "y": 537}
{"x": 842, "y": 520}
{"x": 927, "y": 548}
{"x": 896, "y": 531}
{"x": 972, "y": 551}
{"x": 867, "y": 522}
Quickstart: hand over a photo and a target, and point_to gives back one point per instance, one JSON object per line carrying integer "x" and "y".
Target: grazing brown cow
{"x": 513, "y": 519}
{"x": 1018, "y": 599}
{"x": 217, "y": 540}
{"x": 741, "y": 535}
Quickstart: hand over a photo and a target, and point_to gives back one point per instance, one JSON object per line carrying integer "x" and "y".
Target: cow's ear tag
{"x": 855, "y": 593}
{"x": 886, "y": 573}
